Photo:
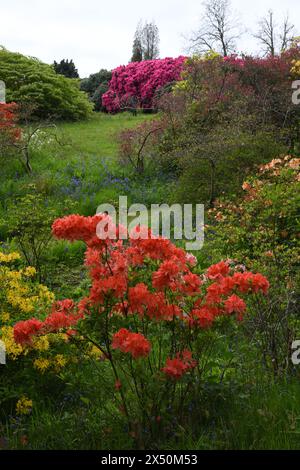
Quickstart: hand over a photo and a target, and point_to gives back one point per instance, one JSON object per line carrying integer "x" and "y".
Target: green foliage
{"x": 29, "y": 223}
{"x": 137, "y": 51}
{"x": 95, "y": 86}
{"x": 29, "y": 81}
{"x": 261, "y": 231}
{"x": 223, "y": 118}
{"x": 66, "y": 68}
{"x": 262, "y": 228}
{"x": 220, "y": 161}
{"x": 256, "y": 417}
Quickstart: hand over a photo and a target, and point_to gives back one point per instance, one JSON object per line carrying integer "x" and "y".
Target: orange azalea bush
{"x": 9, "y": 131}
{"x": 147, "y": 312}
{"x": 261, "y": 228}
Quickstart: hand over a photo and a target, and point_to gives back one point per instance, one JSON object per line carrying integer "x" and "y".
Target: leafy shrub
{"x": 218, "y": 163}
{"x": 262, "y": 228}
{"x": 95, "y": 86}
{"x": 30, "y": 81}
{"x": 261, "y": 231}
{"x": 28, "y": 224}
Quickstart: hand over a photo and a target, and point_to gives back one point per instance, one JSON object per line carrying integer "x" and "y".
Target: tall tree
{"x": 287, "y": 34}
{"x": 146, "y": 42}
{"x": 272, "y": 39}
{"x": 150, "y": 41}
{"x": 137, "y": 48}
{"x": 66, "y": 68}
{"x": 218, "y": 30}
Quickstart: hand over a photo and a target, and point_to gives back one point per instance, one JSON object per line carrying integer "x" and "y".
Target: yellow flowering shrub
{"x": 95, "y": 353}
{"x": 55, "y": 363}
{"x": 20, "y": 297}
{"x": 13, "y": 349}
{"x": 8, "y": 258}
{"x": 295, "y": 70}
{"x": 42, "y": 364}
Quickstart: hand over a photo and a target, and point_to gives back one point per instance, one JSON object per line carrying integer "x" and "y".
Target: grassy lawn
{"x": 82, "y": 168}
{"x": 98, "y": 135}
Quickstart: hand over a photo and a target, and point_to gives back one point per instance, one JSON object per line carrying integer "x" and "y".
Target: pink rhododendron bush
{"x": 151, "y": 314}
{"x": 138, "y": 82}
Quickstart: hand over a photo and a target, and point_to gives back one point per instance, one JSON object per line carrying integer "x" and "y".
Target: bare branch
{"x": 286, "y": 37}
{"x": 272, "y": 41}
{"x": 219, "y": 29}
{"x": 266, "y": 34}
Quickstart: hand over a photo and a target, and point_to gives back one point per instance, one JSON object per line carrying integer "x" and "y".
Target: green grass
{"x": 263, "y": 416}
{"x": 83, "y": 142}
{"x": 82, "y": 168}
{"x": 98, "y": 135}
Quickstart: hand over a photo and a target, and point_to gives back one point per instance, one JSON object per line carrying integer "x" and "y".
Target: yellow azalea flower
{"x": 41, "y": 364}
{"x": 13, "y": 350}
{"x": 211, "y": 55}
{"x": 8, "y": 258}
{"x": 5, "y": 317}
{"x": 64, "y": 337}
{"x": 295, "y": 70}
{"x": 45, "y": 295}
{"x": 20, "y": 295}
{"x": 95, "y": 352}
{"x": 29, "y": 271}
{"x": 60, "y": 360}
{"x": 20, "y": 298}
{"x": 41, "y": 343}
{"x": 25, "y": 304}
{"x": 24, "y": 406}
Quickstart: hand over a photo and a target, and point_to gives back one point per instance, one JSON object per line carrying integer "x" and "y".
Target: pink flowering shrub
{"x": 138, "y": 82}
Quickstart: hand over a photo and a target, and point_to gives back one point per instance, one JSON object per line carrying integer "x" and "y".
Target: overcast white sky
{"x": 99, "y": 33}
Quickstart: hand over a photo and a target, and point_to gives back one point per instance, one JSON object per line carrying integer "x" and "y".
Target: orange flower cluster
{"x": 134, "y": 343}
{"x": 170, "y": 290}
{"x": 8, "y": 121}
{"x": 64, "y": 314}
{"x": 175, "y": 368}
